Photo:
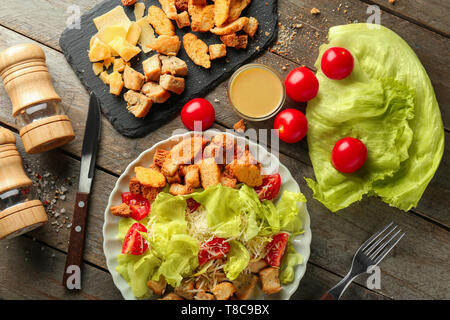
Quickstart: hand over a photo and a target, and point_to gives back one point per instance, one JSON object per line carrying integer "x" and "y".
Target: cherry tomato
{"x": 291, "y": 125}
{"x": 270, "y": 187}
{"x": 337, "y": 63}
{"x": 134, "y": 243}
{"x": 140, "y": 206}
{"x": 301, "y": 84}
{"x": 200, "y": 110}
{"x": 213, "y": 249}
{"x": 192, "y": 205}
{"x": 276, "y": 249}
{"x": 348, "y": 155}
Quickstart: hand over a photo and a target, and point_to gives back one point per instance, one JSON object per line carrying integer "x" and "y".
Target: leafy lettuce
{"x": 387, "y": 102}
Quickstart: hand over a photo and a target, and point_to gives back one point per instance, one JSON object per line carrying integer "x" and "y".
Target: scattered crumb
{"x": 391, "y": 1}
{"x": 315, "y": 11}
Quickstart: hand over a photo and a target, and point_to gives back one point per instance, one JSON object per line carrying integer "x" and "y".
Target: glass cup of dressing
{"x": 256, "y": 92}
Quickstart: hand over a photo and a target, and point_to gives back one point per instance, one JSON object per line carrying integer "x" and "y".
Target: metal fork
{"x": 366, "y": 257}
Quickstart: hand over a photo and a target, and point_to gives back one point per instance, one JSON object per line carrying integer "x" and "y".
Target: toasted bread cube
{"x": 169, "y": 167}
{"x": 134, "y": 186}
{"x": 181, "y": 5}
{"x": 171, "y": 296}
{"x": 155, "y": 92}
{"x": 209, "y": 172}
{"x": 171, "y": 83}
{"x": 249, "y": 174}
{"x": 257, "y": 266}
{"x": 152, "y": 68}
{"x": 221, "y": 11}
{"x": 150, "y": 193}
{"x": 99, "y": 51}
{"x": 177, "y": 189}
{"x": 236, "y": 8}
{"x": 132, "y": 79}
{"x": 160, "y": 22}
{"x": 202, "y": 18}
{"x": 197, "y": 50}
{"x": 127, "y": 3}
{"x": 223, "y": 291}
{"x": 245, "y": 286}
{"x": 251, "y": 27}
{"x": 158, "y": 287}
{"x": 169, "y": 8}
{"x": 242, "y": 42}
{"x": 270, "y": 280}
{"x": 176, "y": 178}
{"x": 227, "y": 144}
{"x": 97, "y": 67}
{"x": 182, "y": 20}
{"x": 168, "y": 45}
{"x": 217, "y": 51}
{"x": 188, "y": 150}
{"x": 115, "y": 83}
{"x": 192, "y": 176}
{"x": 232, "y": 27}
{"x": 150, "y": 177}
{"x": 202, "y": 295}
{"x": 228, "y": 182}
{"x": 123, "y": 211}
{"x": 185, "y": 289}
{"x": 230, "y": 40}
{"x": 160, "y": 156}
{"x": 119, "y": 65}
{"x": 239, "y": 126}
{"x": 174, "y": 66}
{"x": 138, "y": 104}
{"x": 124, "y": 49}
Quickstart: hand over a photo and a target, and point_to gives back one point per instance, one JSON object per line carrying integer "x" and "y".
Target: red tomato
{"x": 276, "y": 249}
{"x": 291, "y": 125}
{"x": 140, "y": 206}
{"x": 134, "y": 243}
{"x": 200, "y": 110}
{"x": 216, "y": 248}
{"x": 301, "y": 84}
{"x": 270, "y": 187}
{"x": 192, "y": 205}
{"x": 348, "y": 155}
{"x": 337, "y": 63}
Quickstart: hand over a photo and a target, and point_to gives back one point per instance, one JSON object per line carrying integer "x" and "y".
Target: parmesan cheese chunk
{"x": 113, "y": 17}
{"x": 147, "y": 35}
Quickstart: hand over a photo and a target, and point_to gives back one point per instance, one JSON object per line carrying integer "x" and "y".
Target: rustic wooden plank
{"x": 31, "y": 270}
{"x": 432, "y": 14}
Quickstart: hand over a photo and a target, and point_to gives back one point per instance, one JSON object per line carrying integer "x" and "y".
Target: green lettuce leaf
{"x": 387, "y": 102}
{"x": 290, "y": 260}
{"x": 288, "y": 208}
{"x": 237, "y": 260}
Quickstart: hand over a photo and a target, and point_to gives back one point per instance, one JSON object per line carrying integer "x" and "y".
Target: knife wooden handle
{"x": 76, "y": 242}
{"x": 327, "y": 296}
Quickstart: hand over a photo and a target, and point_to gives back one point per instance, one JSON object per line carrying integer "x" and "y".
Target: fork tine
{"x": 383, "y": 245}
{"x": 374, "y": 245}
{"x": 373, "y": 237}
{"x": 388, "y": 249}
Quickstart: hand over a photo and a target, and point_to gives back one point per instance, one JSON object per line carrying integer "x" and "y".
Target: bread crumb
{"x": 315, "y": 11}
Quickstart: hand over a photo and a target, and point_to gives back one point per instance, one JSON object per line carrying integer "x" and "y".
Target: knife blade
{"x": 72, "y": 270}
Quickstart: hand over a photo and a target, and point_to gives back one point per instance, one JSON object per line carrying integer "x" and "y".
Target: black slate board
{"x": 75, "y": 44}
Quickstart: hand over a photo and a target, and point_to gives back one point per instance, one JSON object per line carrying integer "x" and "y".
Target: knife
{"x": 72, "y": 270}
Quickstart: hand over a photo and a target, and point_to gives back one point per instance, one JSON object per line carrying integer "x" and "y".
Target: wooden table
{"x": 31, "y": 266}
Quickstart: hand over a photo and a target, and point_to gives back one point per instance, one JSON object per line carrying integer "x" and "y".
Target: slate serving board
{"x": 75, "y": 45}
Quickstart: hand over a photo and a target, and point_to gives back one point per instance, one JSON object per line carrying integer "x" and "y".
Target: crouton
{"x": 251, "y": 27}
{"x": 119, "y": 65}
{"x": 133, "y": 80}
{"x": 232, "y": 27}
{"x": 169, "y": 8}
{"x": 174, "y": 66}
{"x": 197, "y": 50}
{"x": 236, "y": 8}
{"x": 242, "y": 42}
{"x": 239, "y": 126}
{"x": 168, "y": 45}
{"x": 228, "y": 182}
{"x": 155, "y": 92}
{"x": 221, "y": 11}
{"x": 177, "y": 189}
{"x": 158, "y": 287}
{"x": 138, "y": 104}
{"x": 202, "y": 295}
{"x": 121, "y": 211}
{"x": 202, "y": 17}
{"x": 160, "y": 22}
{"x": 192, "y": 176}
{"x": 257, "y": 266}
{"x": 181, "y": 5}
{"x": 249, "y": 174}
{"x": 185, "y": 289}
{"x": 228, "y": 147}
{"x": 223, "y": 291}
{"x": 188, "y": 150}
{"x": 171, "y": 296}
{"x": 128, "y": 2}
{"x": 152, "y": 68}
{"x": 134, "y": 186}
{"x": 245, "y": 286}
{"x": 150, "y": 193}
{"x": 230, "y": 40}
{"x": 217, "y": 51}
{"x": 160, "y": 156}
{"x": 171, "y": 83}
{"x": 209, "y": 172}
{"x": 169, "y": 167}
{"x": 176, "y": 178}
{"x": 182, "y": 20}
{"x": 270, "y": 280}
{"x": 115, "y": 83}
{"x": 150, "y": 177}
{"x": 155, "y": 167}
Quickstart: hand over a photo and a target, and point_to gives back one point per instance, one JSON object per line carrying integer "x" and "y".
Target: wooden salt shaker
{"x": 35, "y": 104}
{"x": 19, "y": 213}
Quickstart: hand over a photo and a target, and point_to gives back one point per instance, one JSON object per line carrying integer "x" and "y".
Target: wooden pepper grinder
{"x": 35, "y": 104}
{"x": 19, "y": 213}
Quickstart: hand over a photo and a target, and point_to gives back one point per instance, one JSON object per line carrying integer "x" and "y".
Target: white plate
{"x": 112, "y": 245}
